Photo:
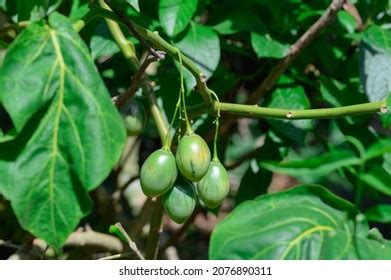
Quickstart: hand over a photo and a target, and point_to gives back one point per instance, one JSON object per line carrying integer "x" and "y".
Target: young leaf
{"x": 70, "y": 133}
{"x": 134, "y": 4}
{"x": 307, "y": 222}
{"x": 175, "y": 15}
{"x": 265, "y": 46}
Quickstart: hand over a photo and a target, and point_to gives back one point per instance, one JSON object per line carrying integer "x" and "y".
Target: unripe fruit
{"x": 158, "y": 173}
{"x": 179, "y": 202}
{"x": 134, "y": 116}
{"x": 214, "y": 186}
{"x": 193, "y": 157}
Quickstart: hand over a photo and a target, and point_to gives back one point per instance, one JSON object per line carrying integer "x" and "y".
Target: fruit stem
{"x": 168, "y": 140}
{"x": 217, "y": 124}
{"x": 189, "y": 130}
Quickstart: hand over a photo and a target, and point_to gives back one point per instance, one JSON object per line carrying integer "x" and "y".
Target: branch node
{"x": 203, "y": 78}
{"x": 383, "y": 109}
{"x": 289, "y": 115}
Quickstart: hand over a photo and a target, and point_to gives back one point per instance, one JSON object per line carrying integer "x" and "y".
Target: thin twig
{"x": 89, "y": 238}
{"x": 131, "y": 244}
{"x": 352, "y": 10}
{"x": 296, "y": 49}
{"x": 121, "y": 99}
{"x": 117, "y": 256}
{"x": 152, "y": 248}
{"x": 132, "y": 29}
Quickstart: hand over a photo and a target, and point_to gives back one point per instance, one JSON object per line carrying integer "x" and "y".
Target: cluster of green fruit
{"x": 159, "y": 173}
{"x": 159, "y": 176}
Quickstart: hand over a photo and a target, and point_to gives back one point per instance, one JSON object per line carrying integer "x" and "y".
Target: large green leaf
{"x": 70, "y": 133}
{"x": 175, "y": 15}
{"x": 201, "y": 44}
{"x": 320, "y": 165}
{"x": 307, "y": 222}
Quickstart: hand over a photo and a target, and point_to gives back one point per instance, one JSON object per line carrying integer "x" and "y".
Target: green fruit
{"x": 214, "y": 186}
{"x": 180, "y": 201}
{"x": 193, "y": 157}
{"x": 158, "y": 173}
{"x": 134, "y": 116}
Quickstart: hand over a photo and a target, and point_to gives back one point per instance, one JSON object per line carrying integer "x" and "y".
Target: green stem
{"x": 160, "y": 43}
{"x": 217, "y": 124}
{"x": 127, "y": 48}
{"x": 157, "y": 115}
{"x": 182, "y": 94}
{"x": 168, "y": 140}
{"x": 261, "y": 112}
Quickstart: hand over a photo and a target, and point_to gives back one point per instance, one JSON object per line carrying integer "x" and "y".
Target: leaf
{"x": 377, "y": 178}
{"x": 340, "y": 94}
{"x": 240, "y": 20}
{"x": 307, "y": 222}
{"x": 375, "y": 61}
{"x": 134, "y": 4}
{"x": 31, "y": 9}
{"x": 320, "y": 165}
{"x": 265, "y": 46}
{"x": 175, "y": 15}
{"x": 290, "y": 97}
{"x": 380, "y": 213}
{"x": 378, "y": 149}
{"x": 201, "y": 44}
{"x": 69, "y": 133}
{"x": 347, "y": 21}
{"x": 102, "y": 44}
{"x": 378, "y": 38}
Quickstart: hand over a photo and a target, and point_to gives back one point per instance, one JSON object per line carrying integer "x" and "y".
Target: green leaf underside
{"x": 175, "y": 15}
{"x": 307, "y": 222}
{"x": 70, "y": 134}
{"x": 375, "y": 61}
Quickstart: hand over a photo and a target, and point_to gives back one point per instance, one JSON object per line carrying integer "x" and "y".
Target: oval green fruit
{"x": 214, "y": 186}
{"x": 158, "y": 173}
{"x": 179, "y": 202}
{"x": 193, "y": 157}
{"x": 134, "y": 116}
